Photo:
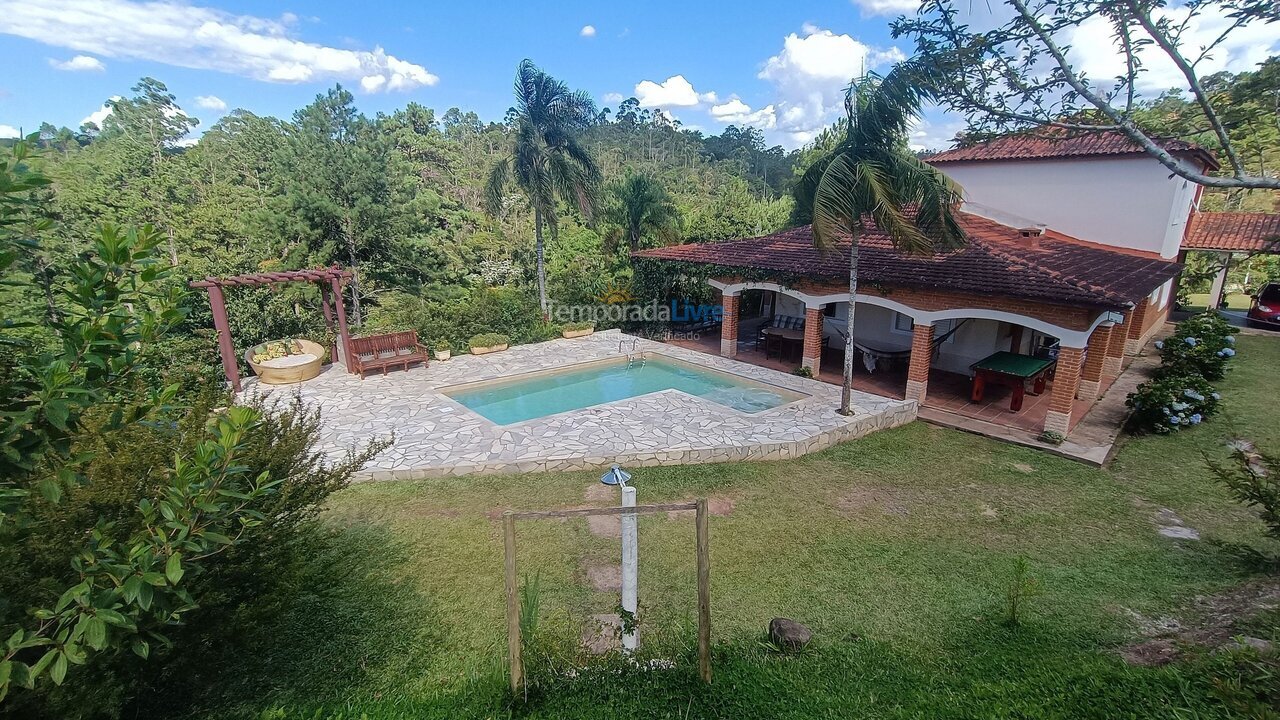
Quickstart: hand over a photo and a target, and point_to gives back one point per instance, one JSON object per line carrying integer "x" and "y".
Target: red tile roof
{"x": 1060, "y": 144}
{"x": 1052, "y": 268}
{"x": 1243, "y": 231}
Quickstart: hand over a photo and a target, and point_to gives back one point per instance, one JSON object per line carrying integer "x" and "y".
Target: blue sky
{"x": 778, "y": 66}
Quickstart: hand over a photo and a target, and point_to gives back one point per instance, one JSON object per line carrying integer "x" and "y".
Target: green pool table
{"x": 1013, "y": 370}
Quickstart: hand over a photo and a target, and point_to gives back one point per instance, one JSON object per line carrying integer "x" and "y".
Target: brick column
{"x": 1063, "y": 393}
{"x": 1114, "y": 361}
{"x": 1137, "y": 318}
{"x": 729, "y": 326}
{"x": 921, "y": 358}
{"x": 811, "y": 356}
{"x": 1094, "y": 360}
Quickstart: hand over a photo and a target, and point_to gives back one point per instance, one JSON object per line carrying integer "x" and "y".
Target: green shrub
{"x": 577, "y": 326}
{"x": 484, "y": 340}
{"x": 803, "y": 371}
{"x": 1202, "y": 345}
{"x": 1168, "y": 403}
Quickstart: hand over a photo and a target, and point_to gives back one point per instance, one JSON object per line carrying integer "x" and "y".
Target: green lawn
{"x": 896, "y": 549}
{"x": 1235, "y": 301}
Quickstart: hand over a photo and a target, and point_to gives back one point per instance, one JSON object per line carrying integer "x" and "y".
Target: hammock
{"x": 871, "y": 356}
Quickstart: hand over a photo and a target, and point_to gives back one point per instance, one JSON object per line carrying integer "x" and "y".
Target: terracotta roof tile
{"x": 997, "y": 260}
{"x": 1243, "y": 231}
{"x": 1044, "y": 145}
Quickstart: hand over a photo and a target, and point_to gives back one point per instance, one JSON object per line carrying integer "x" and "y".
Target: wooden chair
{"x": 379, "y": 352}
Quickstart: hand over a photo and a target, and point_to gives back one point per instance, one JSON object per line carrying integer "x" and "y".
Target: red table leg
{"x": 1018, "y": 392}
{"x": 979, "y": 384}
{"x": 1038, "y": 387}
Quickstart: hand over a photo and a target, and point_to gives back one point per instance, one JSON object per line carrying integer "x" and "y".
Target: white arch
{"x": 1068, "y": 337}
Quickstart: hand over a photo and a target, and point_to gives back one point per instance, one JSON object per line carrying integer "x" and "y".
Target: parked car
{"x": 1265, "y": 310}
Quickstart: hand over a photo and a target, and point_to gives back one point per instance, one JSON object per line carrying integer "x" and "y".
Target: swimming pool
{"x": 539, "y": 394}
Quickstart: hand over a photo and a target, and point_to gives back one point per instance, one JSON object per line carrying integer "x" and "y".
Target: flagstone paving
{"x": 436, "y": 436}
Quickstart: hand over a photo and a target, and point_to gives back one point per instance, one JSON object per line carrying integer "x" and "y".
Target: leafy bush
{"x": 1202, "y": 345}
{"x": 484, "y": 340}
{"x": 1168, "y": 403}
{"x": 1253, "y": 478}
{"x": 578, "y": 326}
{"x": 508, "y": 311}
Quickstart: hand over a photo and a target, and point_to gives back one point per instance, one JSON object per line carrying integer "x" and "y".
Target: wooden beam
{"x": 513, "y": 602}
{"x": 344, "y": 336}
{"x": 583, "y": 512}
{"x": 704, "y": 591}
{"x": 218, "y": 304}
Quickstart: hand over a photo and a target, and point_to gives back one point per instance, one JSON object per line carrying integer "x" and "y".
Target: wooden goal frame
{"x": 702, "y": 536}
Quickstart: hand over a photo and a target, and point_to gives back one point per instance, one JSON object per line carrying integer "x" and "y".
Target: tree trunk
{"x": 542, "y": 269}
{"x": 846, "y": 389}
{"x": 350, "y": 236}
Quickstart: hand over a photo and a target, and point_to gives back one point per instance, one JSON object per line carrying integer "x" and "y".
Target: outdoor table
{"x": 1013, "y": 370}
{"x": 785, "y": 337}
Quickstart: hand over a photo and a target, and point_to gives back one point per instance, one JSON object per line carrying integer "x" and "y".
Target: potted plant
{"x": 486, "y": 343}
{"x": 442, "y": 349}
{"x": 577, "y": 329}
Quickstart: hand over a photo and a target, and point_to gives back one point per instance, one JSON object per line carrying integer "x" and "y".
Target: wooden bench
{"x": 379, "y": 352}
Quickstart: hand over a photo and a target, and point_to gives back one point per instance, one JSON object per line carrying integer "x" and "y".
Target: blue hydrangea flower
{"x": 1174, "y": 421}
{"x": 1231, "y": 339}
{"x": 1159, "y": 344}
{"x": 1195, "y": 419}
{"x": 1192, "y": 341}
{"x": 1216, "y": 396}
{"x": 1228, "y": 352}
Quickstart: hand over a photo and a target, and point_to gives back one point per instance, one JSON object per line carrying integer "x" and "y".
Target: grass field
{"x": 1235, "y": 301}
{"x": 897, "y": 550}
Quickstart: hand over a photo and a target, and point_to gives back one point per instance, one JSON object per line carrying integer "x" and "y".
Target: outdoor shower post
{"x": 630, "y": 569}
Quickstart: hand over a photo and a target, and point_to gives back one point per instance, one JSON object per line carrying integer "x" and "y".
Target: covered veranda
{"x": 1089, "y": 349}
{"x": 1022, "y": 327}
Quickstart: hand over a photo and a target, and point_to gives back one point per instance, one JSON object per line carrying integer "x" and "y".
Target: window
{"x": 829, "y": 310}
{"x": 903, "y": 324}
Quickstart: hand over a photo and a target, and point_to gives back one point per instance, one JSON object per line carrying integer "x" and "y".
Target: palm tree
{"x": 640, "y": 206}
{"x": 872, "y": 175}
{"x": 546, "y": 162}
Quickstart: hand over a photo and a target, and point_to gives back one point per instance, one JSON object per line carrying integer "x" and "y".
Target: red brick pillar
{"x": 1063, "y": 393}
{"x": 811, "y": 356}
{"x": 1137, "y": 321}
{"x": 729, "y": 326}
{"x": 1094, "y": 360}
{"x": 1114, "y": 362}
{"x": 921, "y": 359}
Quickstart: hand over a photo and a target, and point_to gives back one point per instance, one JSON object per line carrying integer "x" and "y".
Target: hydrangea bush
{"x": 1169, "y": 403}
{"x": 1201, "y": 346}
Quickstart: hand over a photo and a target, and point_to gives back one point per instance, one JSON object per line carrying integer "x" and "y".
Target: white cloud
{"x": 1094, "y": 48}
{"x": 79, "y": 63}
{"x": 811, "y": 73}
{"x": 675, "y": 91}
{"x": 9, "y": 131}
{"x": 588, "y": 31}
{"x": 372, "y": 83}
{"x": 98, "y": 116}
{"x": 211, "y": 102}
{"x": 202, "y": 38}
{"x": 888, "y": 7}
{"x": 613, "y": 97}
{"x": 737, "y": 112}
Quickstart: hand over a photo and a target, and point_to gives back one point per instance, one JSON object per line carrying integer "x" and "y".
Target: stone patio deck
{"x": 436, "y": 436}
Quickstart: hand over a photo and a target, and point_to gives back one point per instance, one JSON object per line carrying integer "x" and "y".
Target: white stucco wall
{"x": 1129, "y": 202}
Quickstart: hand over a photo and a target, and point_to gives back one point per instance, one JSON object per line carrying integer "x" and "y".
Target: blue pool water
{"x": 541, "y": 394}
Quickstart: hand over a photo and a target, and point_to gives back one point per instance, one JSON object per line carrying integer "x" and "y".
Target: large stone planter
{"x": 570, "y": 334}
{"x": 490, "y": 349}
{"x": 291, "y": 374}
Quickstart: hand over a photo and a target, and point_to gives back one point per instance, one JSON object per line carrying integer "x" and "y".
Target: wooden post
{"x": 344, "y": 337}
{"x": 218, "y": 304}
{"x": 704, "y": 593}
{"x": 513, "y": 602}
{"x": 328, "y": 320}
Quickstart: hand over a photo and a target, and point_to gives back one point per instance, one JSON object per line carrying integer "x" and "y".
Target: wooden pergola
{"x": 330, "y": 281}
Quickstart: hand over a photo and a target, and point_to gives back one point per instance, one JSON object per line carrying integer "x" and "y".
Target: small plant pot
{"x": 487, "y": 350}
{"x": 570, "y": 334}
{"x": 443, "y": 355}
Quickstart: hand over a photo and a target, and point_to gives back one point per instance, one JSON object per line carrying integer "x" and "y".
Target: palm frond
{"x": 495, "y": 189}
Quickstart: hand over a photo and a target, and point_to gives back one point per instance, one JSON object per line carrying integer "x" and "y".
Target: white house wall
{"x": 1129, "y": 202}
